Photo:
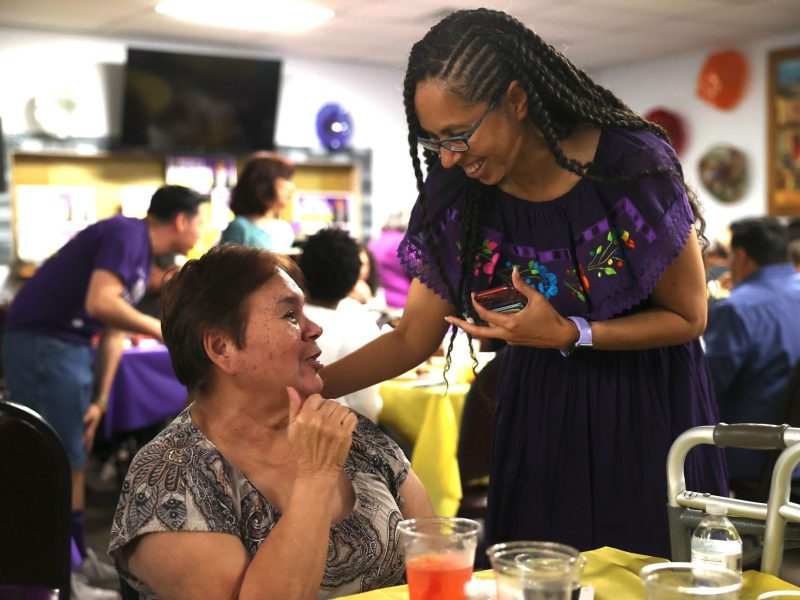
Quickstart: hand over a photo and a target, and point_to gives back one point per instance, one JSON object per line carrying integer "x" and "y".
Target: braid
{"x": 409, "y": 87}
{"x": 473, "y": 211}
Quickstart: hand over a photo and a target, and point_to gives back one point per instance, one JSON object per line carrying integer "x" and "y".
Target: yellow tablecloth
{"x": 614, "y": 574}
{"x": 430, "y": 419}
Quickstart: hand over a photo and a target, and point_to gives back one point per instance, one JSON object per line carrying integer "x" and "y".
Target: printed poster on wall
{"x": 313, "y": 210}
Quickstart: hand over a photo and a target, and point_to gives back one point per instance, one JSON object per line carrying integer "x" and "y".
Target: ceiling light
{"x": 286, "y": 16}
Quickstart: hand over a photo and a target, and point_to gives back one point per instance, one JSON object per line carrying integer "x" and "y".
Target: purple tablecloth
{"x": 145, "y": 391}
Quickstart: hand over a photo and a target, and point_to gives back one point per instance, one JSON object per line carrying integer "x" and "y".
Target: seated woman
{"x": 260, "y": 487}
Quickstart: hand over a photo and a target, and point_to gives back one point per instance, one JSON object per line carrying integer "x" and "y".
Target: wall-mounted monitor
{"x": 177, "y": 102}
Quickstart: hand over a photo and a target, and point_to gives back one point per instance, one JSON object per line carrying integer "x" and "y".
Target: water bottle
{"x": 715, "y": 541}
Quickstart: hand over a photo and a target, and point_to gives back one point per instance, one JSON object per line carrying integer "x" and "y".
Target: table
{"x": 430, "y": 418}
{"x": 145, "y": 390}
{"x": 614, "y": 574}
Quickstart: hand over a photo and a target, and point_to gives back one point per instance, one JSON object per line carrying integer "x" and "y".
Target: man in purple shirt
{"x": 88, "y": 287}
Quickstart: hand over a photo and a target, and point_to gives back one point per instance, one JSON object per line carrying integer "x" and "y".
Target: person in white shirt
{"x": 331, "y": 263}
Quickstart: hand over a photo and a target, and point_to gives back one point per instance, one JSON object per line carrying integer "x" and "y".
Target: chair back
{"x": 788, "y": 412}
{"x": 789, "y": 407}
{"x": 35, "y": 502}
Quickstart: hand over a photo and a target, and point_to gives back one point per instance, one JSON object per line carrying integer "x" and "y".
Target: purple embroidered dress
{"x": 580, "y": 443}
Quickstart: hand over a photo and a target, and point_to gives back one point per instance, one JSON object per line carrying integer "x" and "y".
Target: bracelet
{"x": 584, "y": 335}
{"x": 102, "y": 402}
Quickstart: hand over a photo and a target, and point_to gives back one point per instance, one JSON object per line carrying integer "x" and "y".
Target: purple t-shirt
{"x": 596, "y": 251}
{"x": 53, "y": 301}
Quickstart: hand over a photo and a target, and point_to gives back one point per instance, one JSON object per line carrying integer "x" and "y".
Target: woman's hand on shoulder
{"x": 538, "y": 325}
{"x": 320, "y": 433}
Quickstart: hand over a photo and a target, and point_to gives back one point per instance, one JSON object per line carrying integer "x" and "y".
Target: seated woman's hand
{"x": 320, "y": 433}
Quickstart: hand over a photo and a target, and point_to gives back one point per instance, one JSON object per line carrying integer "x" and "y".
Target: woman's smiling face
{"x": 493, "y": 146}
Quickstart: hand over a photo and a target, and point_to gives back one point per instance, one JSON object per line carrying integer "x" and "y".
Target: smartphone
{"x": 503, "y": 299}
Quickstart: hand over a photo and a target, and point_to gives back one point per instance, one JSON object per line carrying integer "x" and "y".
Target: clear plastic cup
{"x": 536, "y": 570}
{"x": 678, "y": 581}
{"x": 440, "y": 552}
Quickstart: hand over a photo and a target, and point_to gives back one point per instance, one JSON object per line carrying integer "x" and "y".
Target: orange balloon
{"x": 723, "y": 79}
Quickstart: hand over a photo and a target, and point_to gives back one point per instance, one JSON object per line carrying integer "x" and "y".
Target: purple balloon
{"x": 334, "y": 126}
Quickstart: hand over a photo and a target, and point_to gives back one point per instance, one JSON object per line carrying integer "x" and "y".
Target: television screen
{"x": 194, "y": 103}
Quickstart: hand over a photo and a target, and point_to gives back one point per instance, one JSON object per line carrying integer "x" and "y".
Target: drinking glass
{"x": 440, "y": 552}
{"x": 536, "y": 570}
{"x": 679, "y": 581}
{"x": 778, "y": 595}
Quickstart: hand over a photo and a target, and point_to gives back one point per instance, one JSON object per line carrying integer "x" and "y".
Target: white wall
{"x": 671, "y": 82}
{"x": 38, "y": 64}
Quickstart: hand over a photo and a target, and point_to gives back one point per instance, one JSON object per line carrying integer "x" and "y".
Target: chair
{"x": 788, "y": 412}
{"x": 35, "y": 502}
{"x": 475, "y": 440}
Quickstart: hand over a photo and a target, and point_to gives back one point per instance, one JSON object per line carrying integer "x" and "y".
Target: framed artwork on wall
{"x": 783, "y": 132}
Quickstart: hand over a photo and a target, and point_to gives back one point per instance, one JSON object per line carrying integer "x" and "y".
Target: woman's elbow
{"x": 696, "y": 322}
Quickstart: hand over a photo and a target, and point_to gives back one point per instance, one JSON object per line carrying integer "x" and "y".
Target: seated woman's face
{"x": 280, "y": 346}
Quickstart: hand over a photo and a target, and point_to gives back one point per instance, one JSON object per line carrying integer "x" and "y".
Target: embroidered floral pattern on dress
{"x": 535, "y": 274}
{"x": 486, "y": 259}
{"x": 577, "y": 283}
{"x": 606, "y": 259}
{"x": 611, "y": 255}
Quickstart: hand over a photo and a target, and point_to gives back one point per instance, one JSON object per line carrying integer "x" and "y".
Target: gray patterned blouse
{"x": 181, "y": 482}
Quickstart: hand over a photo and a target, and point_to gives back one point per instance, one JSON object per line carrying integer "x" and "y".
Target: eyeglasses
{"x": 457, "y": 143}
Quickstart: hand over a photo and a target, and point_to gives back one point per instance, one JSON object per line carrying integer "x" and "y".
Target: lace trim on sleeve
{"x": 674, "y": 231}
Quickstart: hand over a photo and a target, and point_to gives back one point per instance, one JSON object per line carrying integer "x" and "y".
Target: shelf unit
{"x": 108, "y": 173}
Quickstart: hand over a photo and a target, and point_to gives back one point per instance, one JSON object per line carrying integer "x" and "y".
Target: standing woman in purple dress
{"x": 539, "y": 178}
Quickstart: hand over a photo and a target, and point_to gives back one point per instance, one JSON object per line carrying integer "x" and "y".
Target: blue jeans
{"x": 54, "y": 378}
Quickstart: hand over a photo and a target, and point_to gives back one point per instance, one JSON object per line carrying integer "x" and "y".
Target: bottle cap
{"x": 716, "y": 509}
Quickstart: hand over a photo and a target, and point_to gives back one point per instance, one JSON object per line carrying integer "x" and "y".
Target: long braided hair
{"x": 477, "y": 54}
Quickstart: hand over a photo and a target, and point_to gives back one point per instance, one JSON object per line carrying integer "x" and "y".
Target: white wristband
{"x": 584, "y": 335}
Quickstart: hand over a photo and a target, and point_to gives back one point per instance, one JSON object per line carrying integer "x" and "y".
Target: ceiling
{"x": 593, "y": 33}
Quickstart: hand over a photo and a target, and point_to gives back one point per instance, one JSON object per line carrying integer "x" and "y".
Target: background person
{"x": 716, "y": 261}
{"x": 331, "y": 262}
{"x": 392, "y": 274}
{"x": 262, "y": 191}
{"x": 752, "y": 339}
{"x": 260, "y": 486}
{"x": 540, "y": 178}
{"x": 367, "y": 289}
{"x": 793, "y": 250}
{"x": 89, "y": 287}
